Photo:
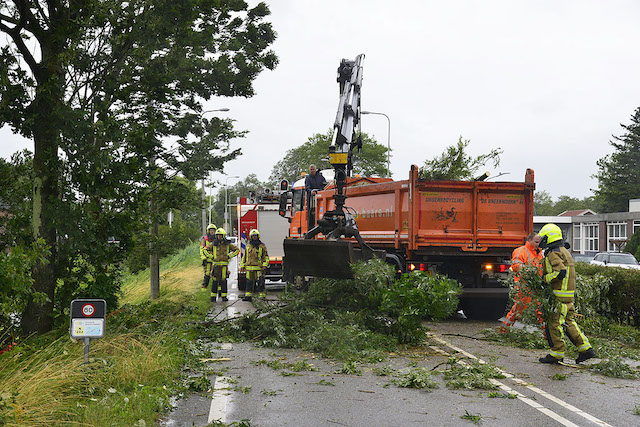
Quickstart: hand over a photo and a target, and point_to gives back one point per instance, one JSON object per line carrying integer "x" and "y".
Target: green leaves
{"x": 371, "y": 161}
{"x": 456, "y": 164}
{"x": 618, "y": 175}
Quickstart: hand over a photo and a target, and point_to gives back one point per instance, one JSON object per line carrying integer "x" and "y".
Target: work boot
{"x": 246, "y": 298}
{"x": 585, "y": 355}
{"x": 225, "y": 299}
{"x": 212, "y": 299}
{"x": 549, "y": 359}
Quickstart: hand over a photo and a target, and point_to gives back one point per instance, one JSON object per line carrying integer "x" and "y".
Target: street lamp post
{"x": 226, "y": 203}
{"x": 388, "y": 138}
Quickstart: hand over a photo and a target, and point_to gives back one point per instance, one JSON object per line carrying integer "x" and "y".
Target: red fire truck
{"x": 261, "y": 212}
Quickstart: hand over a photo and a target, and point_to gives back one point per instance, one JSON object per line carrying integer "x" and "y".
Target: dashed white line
{"x": 218, "y": 408}
{"x": 525, "y": 399}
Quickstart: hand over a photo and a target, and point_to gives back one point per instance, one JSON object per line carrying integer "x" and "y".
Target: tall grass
{"x": 133, "y": 370}
{"x": 180, "y": 275}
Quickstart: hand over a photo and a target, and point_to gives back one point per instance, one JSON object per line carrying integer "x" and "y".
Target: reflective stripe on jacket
{"x": 526, "y": 255}
{"x": 559, "y": 259}
{"x": 255, "y": 257}
{"x": 222, "y": 253}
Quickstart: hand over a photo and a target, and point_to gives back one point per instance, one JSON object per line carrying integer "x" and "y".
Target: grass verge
{"x": 149, "y": 354}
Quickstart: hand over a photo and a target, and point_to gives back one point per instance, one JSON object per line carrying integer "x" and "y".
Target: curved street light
{"x": 388, "y": 138}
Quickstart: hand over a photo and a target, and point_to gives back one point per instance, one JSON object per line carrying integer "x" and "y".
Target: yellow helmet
{"x": 221, "y": 231}
{"x": 254, "y": 232}
{"x": 548, "y": 234}
{"x": 210, "y": 226}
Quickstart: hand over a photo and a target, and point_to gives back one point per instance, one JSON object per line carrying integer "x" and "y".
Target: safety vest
{"x": 526, "y": 255}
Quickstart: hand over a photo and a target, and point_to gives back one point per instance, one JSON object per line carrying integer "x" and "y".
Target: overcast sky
{"x": 548, "y": 82}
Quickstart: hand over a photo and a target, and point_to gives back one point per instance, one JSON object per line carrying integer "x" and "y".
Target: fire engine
{"x": 260, "y": 211}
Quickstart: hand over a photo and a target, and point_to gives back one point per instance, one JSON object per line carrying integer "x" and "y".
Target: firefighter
{"x": 206, "y": 265}
{"x": 219, "y": 253}
{"x": 559, "y": 272}
{"x": 528, "y": 254}
{"x": 255, "y": 261}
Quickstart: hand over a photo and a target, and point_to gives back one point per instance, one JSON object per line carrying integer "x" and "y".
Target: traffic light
{"x": 284, "y": 185}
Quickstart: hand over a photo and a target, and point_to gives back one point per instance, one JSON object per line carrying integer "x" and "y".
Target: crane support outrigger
{"x": 332, "y": 256}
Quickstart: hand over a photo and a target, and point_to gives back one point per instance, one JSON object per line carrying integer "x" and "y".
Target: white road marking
{"x": 218, "y": 409}
{"x": 537, "y": 390}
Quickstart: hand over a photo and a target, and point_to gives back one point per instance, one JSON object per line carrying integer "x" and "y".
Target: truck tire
{"x": 484, "y": 308}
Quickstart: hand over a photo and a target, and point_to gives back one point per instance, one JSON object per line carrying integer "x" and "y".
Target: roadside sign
{"x": 88, "y": 318}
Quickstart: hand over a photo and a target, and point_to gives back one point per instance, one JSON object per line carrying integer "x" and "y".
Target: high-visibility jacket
{"x": 255, "y": 257}
{"x": 526, "y": 255}
{"x": 556, "y": 261}
{"x": 221, "y": 253}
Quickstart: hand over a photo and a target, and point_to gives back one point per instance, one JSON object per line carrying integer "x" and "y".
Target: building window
{"x": 588, "y": 237}
{"x": 616, "y": 234}
{"x": 636, "y": 225}
{"x": 577, "y": 238}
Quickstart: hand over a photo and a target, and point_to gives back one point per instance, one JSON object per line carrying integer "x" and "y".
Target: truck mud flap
{"x": 322, "y": 258}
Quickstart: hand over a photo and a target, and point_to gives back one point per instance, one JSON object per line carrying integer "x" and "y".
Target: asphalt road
{"x": 264, "y": 396}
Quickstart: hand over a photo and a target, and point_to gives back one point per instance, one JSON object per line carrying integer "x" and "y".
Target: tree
{"x": 456, "y": 164}
{"x": 371, "y": 161}
{"x": 543, "y": 203}
{"x": 618, "y": 175}
{"x": 105, "y": 83}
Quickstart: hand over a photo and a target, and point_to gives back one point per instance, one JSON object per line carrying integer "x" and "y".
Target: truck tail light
{"x": 422, "y": 268}
{"x": 412, "y": 267}
{"x": 488, "y": 267}
{"x": 503, "y": 268}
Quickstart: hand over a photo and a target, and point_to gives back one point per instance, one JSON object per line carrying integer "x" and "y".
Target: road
{"x": 251, "y": 390}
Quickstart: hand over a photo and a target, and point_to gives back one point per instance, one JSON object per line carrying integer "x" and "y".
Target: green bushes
{"x": 610, "y": 291}
{"x": 355, "y": 319}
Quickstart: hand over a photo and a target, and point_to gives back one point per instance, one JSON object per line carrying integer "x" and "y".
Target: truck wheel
{"x": 484, "y": 309}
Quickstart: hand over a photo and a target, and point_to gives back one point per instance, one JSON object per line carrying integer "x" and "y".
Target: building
{"x": 589, "y": 232}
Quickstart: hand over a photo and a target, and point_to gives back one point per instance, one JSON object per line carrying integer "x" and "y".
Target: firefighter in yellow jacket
{"x": 255, "y": 260}
{"x": 219, "y": 253}
{"x": 206, "y": 265}
{"x": 559, "y": 273}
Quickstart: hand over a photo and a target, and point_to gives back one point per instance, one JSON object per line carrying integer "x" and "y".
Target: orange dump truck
{"x": 463, "y": 229}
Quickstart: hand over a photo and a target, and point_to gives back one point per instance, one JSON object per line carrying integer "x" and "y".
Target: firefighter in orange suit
{"x": 559, "y": 273}
{"x": 219, "y": 253}
{"x": 255, "y": 261}
{"x": 528, "y": 254}
{"x": 206, "y": 265}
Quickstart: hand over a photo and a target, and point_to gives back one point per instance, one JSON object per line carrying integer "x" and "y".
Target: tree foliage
{"x": 544, "y": 205}
{"x": 618, "y": 173}
{"x": 456, "y": 164}
{"x": 105, "y": 83}
{"x": 371, "y": 161}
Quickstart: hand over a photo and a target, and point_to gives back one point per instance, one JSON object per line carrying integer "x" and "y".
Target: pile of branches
{"x": 352, "y": 319}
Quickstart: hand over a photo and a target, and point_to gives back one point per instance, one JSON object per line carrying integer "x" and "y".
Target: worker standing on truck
{"x": 219, "y": 253}
{"x": 255, "y": 261}
{"x": 312, "y": 183}
{"x": 559, "y": 272}
{"x": 206, "y": 265}
{"x": 528, "y": 254}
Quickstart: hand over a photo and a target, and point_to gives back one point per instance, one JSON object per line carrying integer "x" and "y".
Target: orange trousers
{"x": 521, "y": 302}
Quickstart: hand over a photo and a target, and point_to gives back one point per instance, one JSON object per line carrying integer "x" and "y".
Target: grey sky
{"x": 549, "y": 82}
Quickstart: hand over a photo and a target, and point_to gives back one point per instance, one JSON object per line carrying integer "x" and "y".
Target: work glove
{"x": 562, "y": 274}
{"x": 204, "y": 262}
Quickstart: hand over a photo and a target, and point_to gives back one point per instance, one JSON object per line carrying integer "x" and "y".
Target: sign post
{"x": 88, "y": 321}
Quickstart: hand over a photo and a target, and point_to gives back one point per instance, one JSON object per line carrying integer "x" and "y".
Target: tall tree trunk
{"x": 154, "y": 262}
{"x": 38, "y": 317}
